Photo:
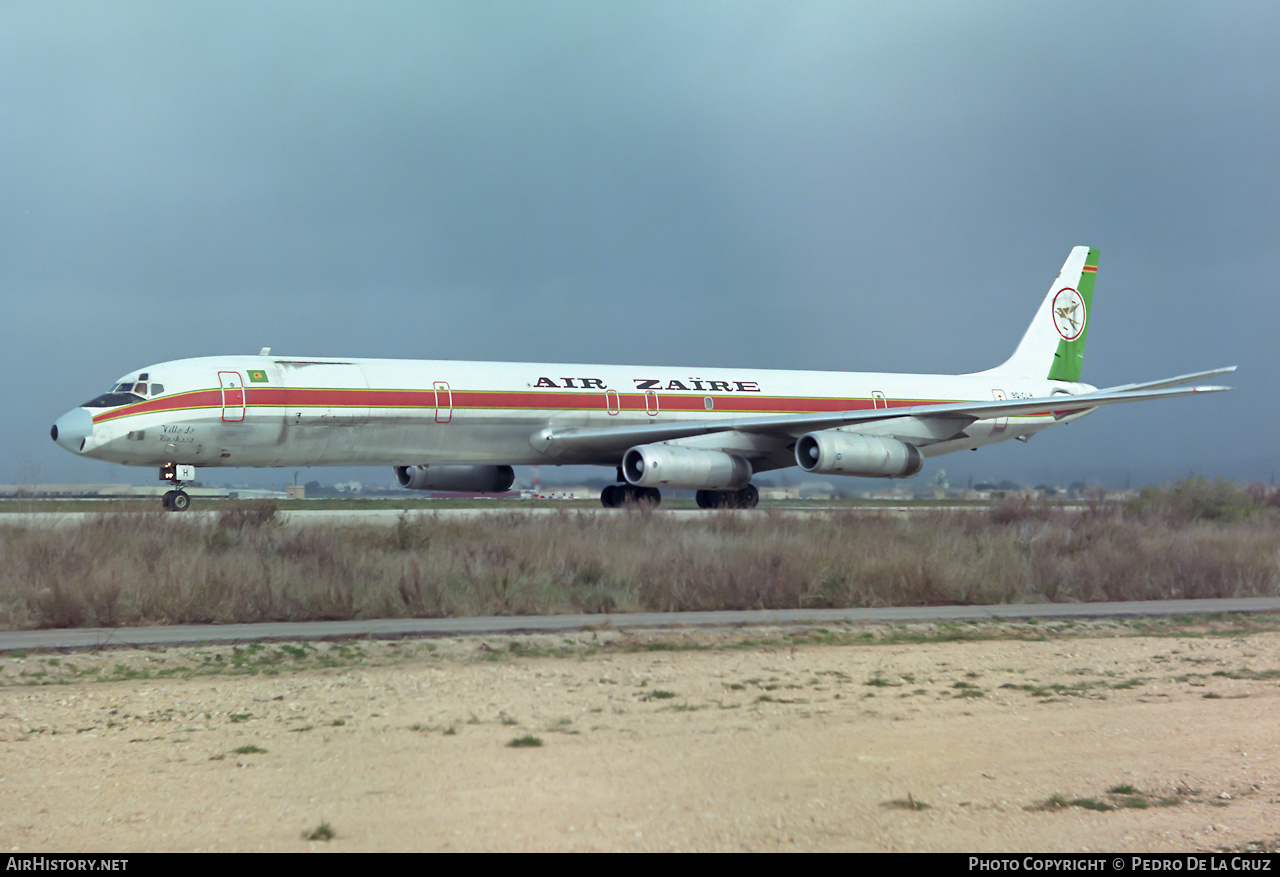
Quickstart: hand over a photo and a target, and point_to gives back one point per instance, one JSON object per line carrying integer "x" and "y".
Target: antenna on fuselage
{"x": 266, "y": 351}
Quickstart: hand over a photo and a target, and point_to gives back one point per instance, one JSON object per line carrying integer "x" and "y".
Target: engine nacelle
{"x": 692, "y": 468}
{"x": 481, "y": 479}
{"x": 831, "y": 452}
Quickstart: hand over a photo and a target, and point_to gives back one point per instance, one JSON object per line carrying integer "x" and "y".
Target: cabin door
{"x": 232, "y": 396}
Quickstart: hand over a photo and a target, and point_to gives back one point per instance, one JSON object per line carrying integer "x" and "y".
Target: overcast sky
{"x": 861, "y": 186}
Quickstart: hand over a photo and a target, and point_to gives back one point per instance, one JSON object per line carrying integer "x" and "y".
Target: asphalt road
{"x": 87, "y": 638}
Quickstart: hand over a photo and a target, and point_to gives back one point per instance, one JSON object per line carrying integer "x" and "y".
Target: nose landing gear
{"x": 176, "y": 500}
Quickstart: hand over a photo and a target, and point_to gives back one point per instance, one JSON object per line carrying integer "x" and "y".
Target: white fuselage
{"x": 278, "y": 411}
{"x": 463, "y": 425}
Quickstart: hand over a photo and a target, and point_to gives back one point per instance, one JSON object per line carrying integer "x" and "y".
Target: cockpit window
{"x": 112, "y": 400}
{"x": 126, "y": 393}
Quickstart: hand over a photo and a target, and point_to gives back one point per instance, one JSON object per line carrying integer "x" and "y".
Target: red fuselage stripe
{"x": 381, "y": 400}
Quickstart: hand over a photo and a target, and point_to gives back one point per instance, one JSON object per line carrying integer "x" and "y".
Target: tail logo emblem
{"x": 1069, "y": 315}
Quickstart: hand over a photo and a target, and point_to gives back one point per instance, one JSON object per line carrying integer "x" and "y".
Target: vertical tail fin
{"x": 1053, "y": 345}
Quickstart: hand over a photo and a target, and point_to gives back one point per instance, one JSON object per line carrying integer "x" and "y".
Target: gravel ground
{"x": 778, "y": 739}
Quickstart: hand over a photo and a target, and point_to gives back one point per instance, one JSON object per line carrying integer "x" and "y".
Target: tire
{"x": 180, "y": 502}
{"x": 748, "y": 497}
{"x": 166, "y": 501}
{"x": 629, "y": 494}
{"x": 611, "y": 496}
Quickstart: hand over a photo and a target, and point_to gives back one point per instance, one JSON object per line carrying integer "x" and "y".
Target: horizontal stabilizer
{"x": 1172, "y": 382}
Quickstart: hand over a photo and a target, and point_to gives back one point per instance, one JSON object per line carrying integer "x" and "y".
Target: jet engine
{"x": 481, "y": 479}
{"x": 832, "y": 452}
{"x": 672, "y": 466}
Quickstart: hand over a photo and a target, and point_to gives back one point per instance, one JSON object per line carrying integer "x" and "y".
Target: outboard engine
{"x": 832, "y": 452}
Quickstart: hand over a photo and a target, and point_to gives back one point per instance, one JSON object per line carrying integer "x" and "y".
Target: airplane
{"x": 461, "y": 426}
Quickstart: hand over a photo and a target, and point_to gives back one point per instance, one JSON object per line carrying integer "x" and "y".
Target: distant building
{"x": 815, "y": 490}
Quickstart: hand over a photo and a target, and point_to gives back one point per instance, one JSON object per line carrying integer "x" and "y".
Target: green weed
{"x": 659, "y": 694}
{"x": 323, "y": 831}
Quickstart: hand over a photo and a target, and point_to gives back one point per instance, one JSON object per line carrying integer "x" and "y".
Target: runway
{"x": 95, "y": 638}
{"x": 389, "y": 517}
{"x": 323, "y": 517}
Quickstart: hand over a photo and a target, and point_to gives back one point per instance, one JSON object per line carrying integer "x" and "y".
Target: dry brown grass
{"x": 153, "y": 568}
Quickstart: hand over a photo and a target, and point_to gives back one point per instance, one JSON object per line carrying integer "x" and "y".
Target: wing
{"x": 931, "y": 422}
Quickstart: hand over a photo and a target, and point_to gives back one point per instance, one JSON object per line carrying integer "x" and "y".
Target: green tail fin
{"x": 1071, "y": 310}
{"x": 1053, "y": 345}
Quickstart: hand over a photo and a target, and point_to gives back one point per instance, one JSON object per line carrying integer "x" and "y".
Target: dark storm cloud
{"x": 861, "y": 186}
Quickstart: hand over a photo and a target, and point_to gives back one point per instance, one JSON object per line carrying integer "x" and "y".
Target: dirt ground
{"x": 752, "y": 739}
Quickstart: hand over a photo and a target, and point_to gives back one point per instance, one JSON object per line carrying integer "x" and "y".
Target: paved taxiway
{"x": 388, "y": 517}
{"x": 307, "y": 517}
{"x": 495, "y": 625}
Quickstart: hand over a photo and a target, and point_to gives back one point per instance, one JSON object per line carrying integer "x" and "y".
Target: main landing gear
{"x": 615, "y": 496}
{"x": 746, "y": 498}
{"x": 176, "y": 500}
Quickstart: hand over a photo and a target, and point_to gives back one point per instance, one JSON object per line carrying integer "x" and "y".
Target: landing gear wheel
{"x": 615, "y": 496}
{"x": 179, "y": 502}
{"x": 611, "y": 496}
{"x": 167, "y": 500}
{"x": 746, "y": 498}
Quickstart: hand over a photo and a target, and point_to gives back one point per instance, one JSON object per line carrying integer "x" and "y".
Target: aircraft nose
{"x": 72, "y": 428}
